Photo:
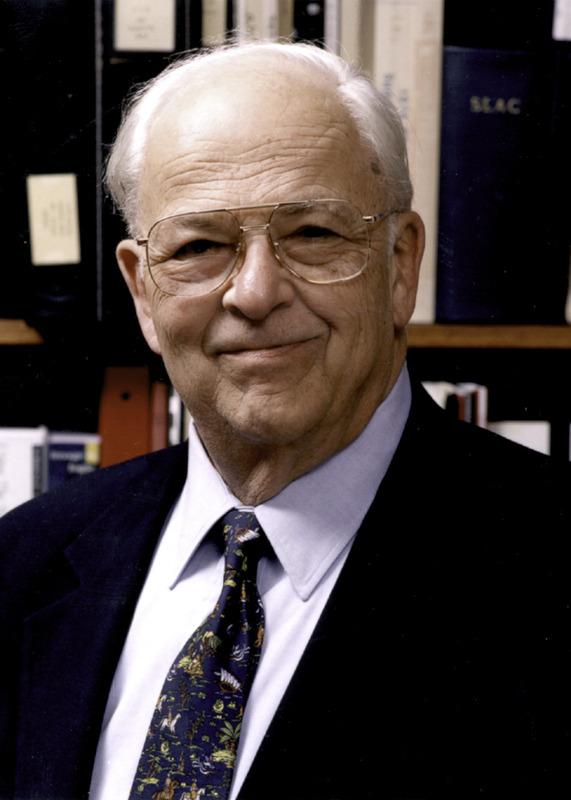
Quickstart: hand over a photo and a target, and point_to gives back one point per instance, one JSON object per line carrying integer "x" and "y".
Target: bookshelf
{"x": 510, "y": 337}
{"x": 78, "y": 336}
{"x": 18, "y": 332}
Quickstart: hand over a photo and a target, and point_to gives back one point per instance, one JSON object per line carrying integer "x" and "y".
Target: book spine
{"x": 257, "y": 19}
{"x": 53, "y": 238}
{"x": 214, "y": 22}
{"x": 71, "y": 455}
{"x": 285, "y": 19}
{"x": 124, "y": 414}
{"x": 494, "y": 233}
{"x": 408, "y": 67}
{"x": 350, "y": 41}
{"x": 332, "y": 25}
{"x": 159, "y": 416}
{"x": 309, "y": 21}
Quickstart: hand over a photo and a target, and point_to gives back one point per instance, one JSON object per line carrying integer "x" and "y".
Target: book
{"x": 71, "y": 455}
{"x": 562, "y": 21}
{"x": 351, "y": 34}
{"x": 159, "y": 415}
{"x": 332, "y": 25}
{"x": 214, "y": 22}
{"x": 466, "y": 401}
{"x": 308, "y": 21}
{"x": 175, "y": 417}
{"x": 534, "y": 434}
{"x": 256, "y": 19}
{"x": 23, "y": 465}
{"x": 117, "y": 72}
{"x": 124, "y": 414}
{"x": 502, "y": 257}
{"x": 407, "y": 66}
{"x": 52, "y": 234}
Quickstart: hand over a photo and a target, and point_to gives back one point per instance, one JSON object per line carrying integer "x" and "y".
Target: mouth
{"x": 264, "y": 350}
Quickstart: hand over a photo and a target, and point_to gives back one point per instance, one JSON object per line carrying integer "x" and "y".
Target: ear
{"x": 406, "y": 257}
{"x": 129, "y": 258}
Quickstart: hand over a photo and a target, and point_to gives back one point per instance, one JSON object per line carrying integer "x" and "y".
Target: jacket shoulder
{"x": 36, "y": 531}
{"x": 471, "y": 467}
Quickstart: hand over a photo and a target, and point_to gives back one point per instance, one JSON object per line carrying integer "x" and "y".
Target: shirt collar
{"x": 312, "y": 520}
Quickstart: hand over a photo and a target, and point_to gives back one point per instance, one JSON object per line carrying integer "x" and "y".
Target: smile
{"x": 269, "y": 351}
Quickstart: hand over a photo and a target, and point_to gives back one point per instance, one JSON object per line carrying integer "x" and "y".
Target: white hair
{"x": 374, "y": 115}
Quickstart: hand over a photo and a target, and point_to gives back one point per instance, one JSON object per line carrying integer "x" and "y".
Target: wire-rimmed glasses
{"x": 318, "y": 241}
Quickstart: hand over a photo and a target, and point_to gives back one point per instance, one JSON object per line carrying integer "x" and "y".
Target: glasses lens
{"x": 322, "y": 242}
{"x": 192, "y": 254}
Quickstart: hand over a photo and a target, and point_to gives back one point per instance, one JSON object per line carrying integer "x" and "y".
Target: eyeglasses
{"x": 318, "y": 241}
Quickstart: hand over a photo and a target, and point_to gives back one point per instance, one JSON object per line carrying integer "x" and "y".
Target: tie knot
{"x": 243, "y": 541}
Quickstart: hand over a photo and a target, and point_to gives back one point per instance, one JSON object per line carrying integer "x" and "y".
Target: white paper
{"x": 562, "y": 21}
{"x": 54, "y": 219}
{"x": 145, "y": 25}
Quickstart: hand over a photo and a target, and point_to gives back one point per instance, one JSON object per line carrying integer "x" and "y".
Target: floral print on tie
{"x": 190, "y": 749}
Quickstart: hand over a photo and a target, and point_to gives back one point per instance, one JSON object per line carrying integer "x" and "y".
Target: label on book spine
{"x": 53, "y": 219}
{"x": 145, "y": 25}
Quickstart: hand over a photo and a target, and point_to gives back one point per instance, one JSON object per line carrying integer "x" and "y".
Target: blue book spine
{"x": 499, "y": 254}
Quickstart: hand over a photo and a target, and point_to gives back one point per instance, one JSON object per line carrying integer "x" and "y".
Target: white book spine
{"x": 285, "y": 18}
{"x": 257, "y": 19}
{"x": 332, "y": 32}
{"x": 350, "y": 40}
{"x": 214, "y": 23}
{"x": 408, "y": 66}
{"x": 23, "y": 465}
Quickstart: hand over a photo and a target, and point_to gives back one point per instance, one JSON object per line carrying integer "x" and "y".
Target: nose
{"x": 260, "y": 284}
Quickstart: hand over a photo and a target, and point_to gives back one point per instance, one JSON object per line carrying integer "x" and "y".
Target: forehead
{"x": 252, "y": 136}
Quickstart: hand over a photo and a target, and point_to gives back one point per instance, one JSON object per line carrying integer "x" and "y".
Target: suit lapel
{"x": 357, "y": 646}
{"x": 75, "y": 637}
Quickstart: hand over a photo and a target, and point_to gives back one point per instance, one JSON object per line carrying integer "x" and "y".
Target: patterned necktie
{"x": 190, "y": 749}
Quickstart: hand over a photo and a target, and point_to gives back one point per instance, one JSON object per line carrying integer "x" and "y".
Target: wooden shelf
{"x": 514, "y": 337}
{"x": 519, "y": 337}
{"x": 17, "y": 331}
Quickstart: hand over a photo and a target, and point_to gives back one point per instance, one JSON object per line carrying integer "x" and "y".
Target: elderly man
{"x": 334, "y": 591}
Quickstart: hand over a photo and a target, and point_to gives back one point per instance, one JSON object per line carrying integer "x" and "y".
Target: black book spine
{"x": 50, "y": 105}
{"x": 309, "y": 21}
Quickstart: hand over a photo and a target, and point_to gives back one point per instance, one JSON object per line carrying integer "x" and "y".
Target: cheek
{"x": 181, "y": 326}
{"x": 359, "y": 318}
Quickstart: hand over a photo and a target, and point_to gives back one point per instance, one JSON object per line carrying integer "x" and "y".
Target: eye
{"x": 313, "y": 232}
{"x": 198, "y": 247}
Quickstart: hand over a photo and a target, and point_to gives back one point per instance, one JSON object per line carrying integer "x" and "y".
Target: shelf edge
{"x": 17, "y": 331}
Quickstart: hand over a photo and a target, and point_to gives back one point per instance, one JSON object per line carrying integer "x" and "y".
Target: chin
{"x": 269, "y": 427}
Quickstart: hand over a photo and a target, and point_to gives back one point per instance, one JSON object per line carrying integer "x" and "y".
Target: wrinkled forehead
{"x": 227, "y": 125}
{"x": 245, "y": 102}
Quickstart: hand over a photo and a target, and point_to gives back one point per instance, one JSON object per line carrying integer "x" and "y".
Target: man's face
{"x": 267, "y": 357}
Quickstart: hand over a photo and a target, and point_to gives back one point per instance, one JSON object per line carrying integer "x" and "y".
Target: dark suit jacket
{"x": 439, "y": 669}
